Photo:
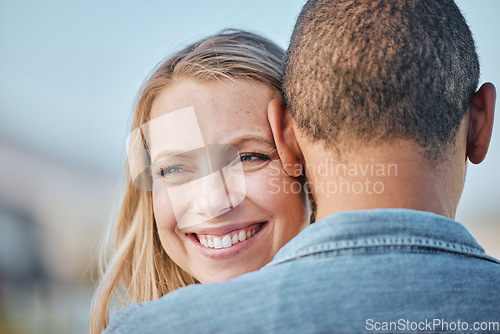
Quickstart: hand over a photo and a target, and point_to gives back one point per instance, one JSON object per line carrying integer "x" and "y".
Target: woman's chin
{"x": 213, "y": 277}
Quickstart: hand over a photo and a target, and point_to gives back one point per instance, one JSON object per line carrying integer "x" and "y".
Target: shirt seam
{"x": 386, "y": 241}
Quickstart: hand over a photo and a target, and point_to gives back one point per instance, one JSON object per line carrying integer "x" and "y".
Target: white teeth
{"x": 226, "y": 241}
{"x": 217, "y": 243}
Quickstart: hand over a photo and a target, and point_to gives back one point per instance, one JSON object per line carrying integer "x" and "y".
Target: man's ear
{"x": 281, "y": 120}
{"x": 482, "y": 110}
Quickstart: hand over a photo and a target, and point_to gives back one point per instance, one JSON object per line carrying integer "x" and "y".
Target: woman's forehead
{"x": 217, "y": 109}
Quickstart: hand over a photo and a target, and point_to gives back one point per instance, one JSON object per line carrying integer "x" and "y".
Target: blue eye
{"x": 171, "y": 170}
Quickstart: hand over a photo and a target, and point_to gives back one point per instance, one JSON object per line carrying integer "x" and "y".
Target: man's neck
{"x": 384, "y": 176}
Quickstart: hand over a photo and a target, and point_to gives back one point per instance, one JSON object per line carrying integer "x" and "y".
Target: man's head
{"x": 383, "y": 82}
{"x": 377, "y": 70}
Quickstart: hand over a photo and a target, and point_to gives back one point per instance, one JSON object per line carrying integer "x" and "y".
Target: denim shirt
{"x": 384, "y": 271}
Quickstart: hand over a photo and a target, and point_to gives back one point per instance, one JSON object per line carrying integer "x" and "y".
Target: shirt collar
{"x": 381, "y": 227}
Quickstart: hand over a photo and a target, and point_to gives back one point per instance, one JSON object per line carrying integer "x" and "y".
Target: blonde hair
{"x": 140, "y": 269}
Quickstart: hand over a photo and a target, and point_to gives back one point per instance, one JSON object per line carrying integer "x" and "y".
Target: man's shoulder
{"x": 335, "y": 277}
{"x": 321, "y": 294}
{"x": 236, "y": 306}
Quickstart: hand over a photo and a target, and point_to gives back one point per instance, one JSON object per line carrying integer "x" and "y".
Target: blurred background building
{"x": 69, "y": 72}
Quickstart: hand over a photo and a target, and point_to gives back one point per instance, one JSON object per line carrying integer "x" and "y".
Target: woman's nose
{"x": 213, "y": 198}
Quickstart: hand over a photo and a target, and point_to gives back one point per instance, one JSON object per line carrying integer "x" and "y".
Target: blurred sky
{"x": 69, "y": 72}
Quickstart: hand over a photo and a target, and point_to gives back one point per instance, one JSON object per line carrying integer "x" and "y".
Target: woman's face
{"x": 222, "y": 202}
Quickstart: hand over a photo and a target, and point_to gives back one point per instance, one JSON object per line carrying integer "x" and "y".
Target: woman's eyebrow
{"x": 170, "y": 153}
{"x": 233, "y": 143}
{"x": 250, "y": 138}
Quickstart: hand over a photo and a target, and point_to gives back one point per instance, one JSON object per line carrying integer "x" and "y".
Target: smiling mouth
{"x": 220, "y": 241}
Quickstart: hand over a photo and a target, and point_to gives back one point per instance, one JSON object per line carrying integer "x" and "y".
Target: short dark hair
{"x": 381, "y": 70}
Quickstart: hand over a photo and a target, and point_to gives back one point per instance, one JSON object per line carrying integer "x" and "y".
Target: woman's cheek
{"x": 163, "y": 211}
{"x": 268, "y": 185}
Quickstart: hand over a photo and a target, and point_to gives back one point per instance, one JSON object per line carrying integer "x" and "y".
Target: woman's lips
{"x": 228, "y": 239}
{"x": 226, "y": 245}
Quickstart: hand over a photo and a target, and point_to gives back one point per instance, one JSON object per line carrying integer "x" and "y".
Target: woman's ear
{"x": 281, "y": 120}
{"x": 482, "y": 110}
